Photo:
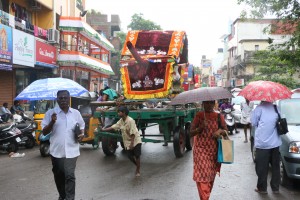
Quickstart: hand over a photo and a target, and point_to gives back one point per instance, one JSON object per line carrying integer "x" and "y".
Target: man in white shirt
{"x": 246, "y": 109}
{"x": 64, "y": 147}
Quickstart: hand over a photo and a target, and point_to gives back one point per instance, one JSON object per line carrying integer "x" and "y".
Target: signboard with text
{"x": 23, "y": 48}
{"x": 6, "y": 51}
{"x": 45, "y": 54}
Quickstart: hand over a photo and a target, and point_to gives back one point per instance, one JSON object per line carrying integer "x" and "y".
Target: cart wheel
{"x": 179, "y": 141}
{"x": 189, "y": 143}
{"x": 109, "y": 145}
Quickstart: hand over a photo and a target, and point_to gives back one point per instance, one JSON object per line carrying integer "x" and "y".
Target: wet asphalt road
{"x": 163, "y": 176}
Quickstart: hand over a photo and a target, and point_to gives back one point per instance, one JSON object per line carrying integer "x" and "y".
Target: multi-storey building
{"x": 206, "y": 71}
{"x": 36, "y": 42}
{"x": 109, "y": 28}
{"x": 246, "y": 37}
{"x": 26, "y": 54}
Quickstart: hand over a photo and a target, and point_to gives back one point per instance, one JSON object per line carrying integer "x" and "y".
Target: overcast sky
{"x": 204, "y": 21}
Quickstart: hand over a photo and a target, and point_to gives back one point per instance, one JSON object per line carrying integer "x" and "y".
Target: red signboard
{"x": 45, "y": 54}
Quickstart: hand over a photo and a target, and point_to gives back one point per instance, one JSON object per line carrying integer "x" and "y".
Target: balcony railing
{"x": 14, "y": 22}
{"x": 249, "y": 57}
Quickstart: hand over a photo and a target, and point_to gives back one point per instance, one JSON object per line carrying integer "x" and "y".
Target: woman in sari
{"x": 207, "y": 126}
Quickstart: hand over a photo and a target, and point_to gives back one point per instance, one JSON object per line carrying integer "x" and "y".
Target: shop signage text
{"x": 23, "y": 48}
{"x": 45, "y": 54}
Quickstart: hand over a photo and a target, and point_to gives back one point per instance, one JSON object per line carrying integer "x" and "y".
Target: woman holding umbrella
{"x": 207, "y": 126}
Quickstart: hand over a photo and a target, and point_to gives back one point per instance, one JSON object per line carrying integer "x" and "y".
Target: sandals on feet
{"x": 260, "y": 191}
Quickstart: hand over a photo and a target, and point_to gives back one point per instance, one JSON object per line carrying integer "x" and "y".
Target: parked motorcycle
{"x": 27, "y": 134}
{"x": 21, "y": 119}
{"x": 9, "y": 137}
{"x": 44, "y": 144}
{"x": 229, "y": 120}
{"x": 27, "y": 128}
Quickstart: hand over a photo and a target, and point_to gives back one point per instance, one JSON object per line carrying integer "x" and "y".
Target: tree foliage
{"x": 139, "y": 23}
{"x": 122, "y": 37}
{"x": 278, "y": 66}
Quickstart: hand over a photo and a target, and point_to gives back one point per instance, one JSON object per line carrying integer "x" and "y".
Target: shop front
{"x": 6, "y": 59}
{"x": 33, "y": 59}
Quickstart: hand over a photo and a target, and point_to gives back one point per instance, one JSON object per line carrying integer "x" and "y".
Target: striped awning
{"x": 75, "y": 24}
{"x": 71, "y": 58}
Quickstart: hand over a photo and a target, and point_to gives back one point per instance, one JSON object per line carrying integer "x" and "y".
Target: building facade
{"x": 37, "y": 42}
{"x": 247, "y": 36}
{"x": 26, "y": 54}
{"x": 109, "y": 28}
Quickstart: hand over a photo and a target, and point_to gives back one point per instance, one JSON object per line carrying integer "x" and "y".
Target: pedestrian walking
{"x": 266, "y": 142}
{"x": 246, "y": 109}
{"x": 207, "y": 126}
{"x": 64, "y": 147}
{"x": 131, "y": 137}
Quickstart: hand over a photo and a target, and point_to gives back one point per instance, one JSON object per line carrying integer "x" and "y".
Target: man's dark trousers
{"x": 64, "y": 176}
{"x": 263, "y": 158}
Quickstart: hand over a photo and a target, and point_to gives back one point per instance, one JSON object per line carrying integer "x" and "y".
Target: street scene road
{"x": 110, "y": 178}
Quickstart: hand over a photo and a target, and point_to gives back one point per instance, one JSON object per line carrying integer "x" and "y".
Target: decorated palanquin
{"x": 152, "y": 63}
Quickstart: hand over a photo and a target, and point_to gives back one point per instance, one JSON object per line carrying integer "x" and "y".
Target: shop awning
{"x": 75, "y": 24}
{"x": 71, "y": 58}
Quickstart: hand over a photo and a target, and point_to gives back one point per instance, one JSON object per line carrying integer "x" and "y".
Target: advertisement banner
{"x": 23, "y": 48}
{"x": 45, "y": 54}
{"x": 6, "y": 45}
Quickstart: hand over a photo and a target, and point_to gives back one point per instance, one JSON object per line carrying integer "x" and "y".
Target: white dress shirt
{"x": 62, "y": 139}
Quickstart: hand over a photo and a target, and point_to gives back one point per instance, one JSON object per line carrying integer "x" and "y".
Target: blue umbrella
{"x": 46, "y": 89}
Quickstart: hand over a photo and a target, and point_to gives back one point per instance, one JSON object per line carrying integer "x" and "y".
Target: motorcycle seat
{"x": 4, "y": 126}
{"x": 21, "y": 126}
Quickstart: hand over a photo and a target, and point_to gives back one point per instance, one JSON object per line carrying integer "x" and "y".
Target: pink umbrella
{"x": 265, "y": 91}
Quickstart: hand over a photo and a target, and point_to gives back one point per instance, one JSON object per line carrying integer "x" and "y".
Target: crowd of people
{"x": 207, "y": 126}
